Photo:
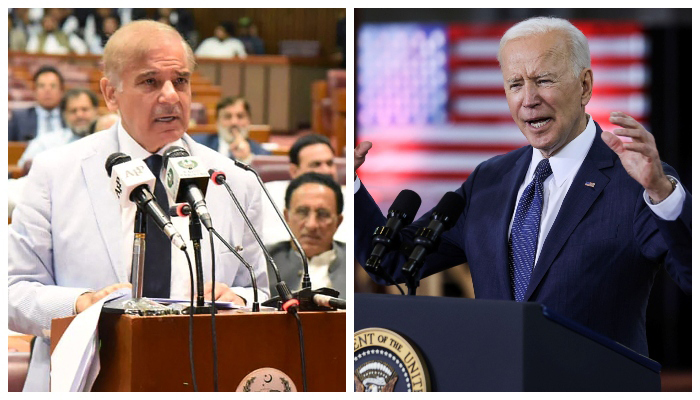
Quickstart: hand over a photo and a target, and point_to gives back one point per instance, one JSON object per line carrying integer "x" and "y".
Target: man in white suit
{"x": 70, "y": 241}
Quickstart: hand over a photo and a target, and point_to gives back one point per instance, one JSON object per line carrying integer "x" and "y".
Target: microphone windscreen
{"x": 450, "y": 207}
{"x": 218, "y": 177}
{"x": 407, "y": 202}
{"x": 114, "y": 159}
{"x": 173, "y": 151}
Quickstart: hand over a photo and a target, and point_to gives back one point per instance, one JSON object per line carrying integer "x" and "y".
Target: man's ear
{"x": 293, "y": 168}
{"x": 286, "y": 215}
{"x": 586, "y": 79}
{"x": 108, "y": 92}
{"x": 340, "y": 221}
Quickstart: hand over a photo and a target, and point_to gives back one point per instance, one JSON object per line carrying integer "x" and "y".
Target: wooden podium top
{"x": 150, "y": 353}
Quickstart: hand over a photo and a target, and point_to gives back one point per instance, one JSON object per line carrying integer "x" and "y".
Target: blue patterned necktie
{"x": 526, "y": 227}
{"x": 156, "y": 274}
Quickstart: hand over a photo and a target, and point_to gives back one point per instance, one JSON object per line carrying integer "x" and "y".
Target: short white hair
{"x": 580, "y": 54}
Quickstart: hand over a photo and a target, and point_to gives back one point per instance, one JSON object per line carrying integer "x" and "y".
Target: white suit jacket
{"x": 65, "y": 237}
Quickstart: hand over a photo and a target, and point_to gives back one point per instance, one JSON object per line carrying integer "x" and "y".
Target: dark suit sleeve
{"x": 13, "y": 129}
{"x": 257, "y": 149}
{"x": 450, "y": 250}
{"x": 668, "y": 241}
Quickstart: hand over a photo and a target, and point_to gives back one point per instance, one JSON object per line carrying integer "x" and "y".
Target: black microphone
{"x": 401, "y": 213}
{"x": 425, "y": 241}
{"x": 289, "y": 302}
{"x": 305, "y": 279}
{"x": 328, "y": 301}
{"x": 186, "y": 180}
{"x": 133, "y": 178}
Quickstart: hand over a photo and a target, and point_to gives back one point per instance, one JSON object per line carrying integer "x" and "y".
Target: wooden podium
{"x": 150, "y": 353}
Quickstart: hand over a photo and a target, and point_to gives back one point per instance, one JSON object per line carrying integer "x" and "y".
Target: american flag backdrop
{"x": 431, "y": 99}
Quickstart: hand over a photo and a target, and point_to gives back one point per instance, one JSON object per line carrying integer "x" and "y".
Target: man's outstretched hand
{"x": 360, "y": 153}
{"x": 639, "y": 157}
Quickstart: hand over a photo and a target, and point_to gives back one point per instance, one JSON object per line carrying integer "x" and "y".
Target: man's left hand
{"x": 222, "y": 293}
{"x": 640, "y": 156}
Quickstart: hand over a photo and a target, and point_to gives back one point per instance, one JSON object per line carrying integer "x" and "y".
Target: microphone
{"x": 290, "y": 303}
{"x": 132, "y": 181}
{"x": 442, "y": 219}
{"x": 328, "y": 301}
{"x": 401, "y": 213}
{"x": 305, "y": 279}
{"x": 186, "y": 181}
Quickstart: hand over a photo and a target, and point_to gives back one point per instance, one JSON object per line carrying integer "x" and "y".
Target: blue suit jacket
{"x": 212, "y": 141}
{"x": 23, "y": 125}
{"x": 598, "y": 262}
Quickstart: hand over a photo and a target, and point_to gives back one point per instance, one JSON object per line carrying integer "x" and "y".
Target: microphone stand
{"x": 137, "y": 304}
{"x": 196, "y": 237}
{"x": 282, "y": 289}
{"x": 139, "y": 254}
{"x": 305, "y": 280}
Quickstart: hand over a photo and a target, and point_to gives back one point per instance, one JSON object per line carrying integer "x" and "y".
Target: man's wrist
{"x": 669, "y": 185}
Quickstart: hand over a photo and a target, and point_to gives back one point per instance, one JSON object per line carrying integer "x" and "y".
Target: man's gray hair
{"x": 577, "y": 42}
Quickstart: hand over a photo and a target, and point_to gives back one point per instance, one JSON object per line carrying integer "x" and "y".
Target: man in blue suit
{"x": 70, "y": 240}
{"x": 580, "y": 220}
{"x": 45, "y": 117}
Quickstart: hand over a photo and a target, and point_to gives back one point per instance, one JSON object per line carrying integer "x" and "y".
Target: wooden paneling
{"x": 278, "y": 24}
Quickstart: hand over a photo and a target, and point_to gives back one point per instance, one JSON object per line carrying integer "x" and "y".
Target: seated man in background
{"x": 232, "y": 122}
{"x": 52, "y": 40}
{"x": 222, "y": 44}
{"x": 313, "y": 210}
{"x": 79, "y": 110}
{"x": 45, "y": 116}
{"x": 310, "y": 153}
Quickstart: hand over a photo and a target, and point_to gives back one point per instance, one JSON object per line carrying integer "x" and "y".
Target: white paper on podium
{"x": 75, "y": 360}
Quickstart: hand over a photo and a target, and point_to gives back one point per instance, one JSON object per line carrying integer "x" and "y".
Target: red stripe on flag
{"x": 597, "y": 91}
{"x": 463, "y": 147}
{"x": 374, "y": 178}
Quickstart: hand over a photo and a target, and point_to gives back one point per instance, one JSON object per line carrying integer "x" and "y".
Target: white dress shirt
{"x": 565, "y": 164}
{"x": 48, "y": 121}
{"x": 228, "y": 48}
{"x": 180, "y": 276}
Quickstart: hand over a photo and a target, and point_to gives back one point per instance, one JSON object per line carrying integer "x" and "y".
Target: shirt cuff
{"x": 357, "y": 183}
{"x": 670, "y": 208}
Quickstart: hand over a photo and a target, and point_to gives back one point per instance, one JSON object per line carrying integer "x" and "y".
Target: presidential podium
{"x": 489, "y": 345}
{"x": 150, "y": 353}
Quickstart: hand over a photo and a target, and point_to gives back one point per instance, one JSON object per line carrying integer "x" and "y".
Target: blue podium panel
{"x": 490, "y": 345}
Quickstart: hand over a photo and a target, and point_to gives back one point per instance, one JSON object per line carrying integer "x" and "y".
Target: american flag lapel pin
{"x": 590, "y": 184}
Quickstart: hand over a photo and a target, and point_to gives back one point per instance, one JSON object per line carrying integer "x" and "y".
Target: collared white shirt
{"x": 52, "y": 46}
{"x": 48, "y": 121}
{"x": 228, "y": 48}
{"x": 180, "y": 277}
{"x": 319, "y": 266}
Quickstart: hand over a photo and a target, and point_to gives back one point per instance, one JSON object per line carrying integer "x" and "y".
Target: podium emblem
{"x": 385, "y": 361}
{"x": 267, "y": 380}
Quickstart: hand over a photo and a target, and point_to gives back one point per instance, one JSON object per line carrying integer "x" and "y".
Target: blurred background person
{"x": 223, "y": 44}
{"x": 248, "y": 34}
{"x": 45, "y": 116}
{"x": 313, "y": 209}
{"x": 52, "y": 40}
{"x": 110, "y": 24}
{"x": 16, "y": 36}
{"x": 79, "y": 110}
{"x": 232, "y": 122}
